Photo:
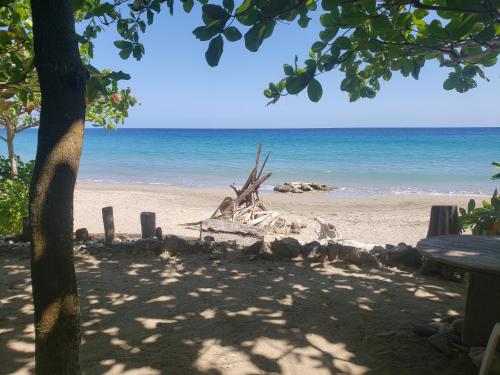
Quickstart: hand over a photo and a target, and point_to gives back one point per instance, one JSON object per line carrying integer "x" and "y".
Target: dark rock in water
{"x": 286, "y": 248}
{"x": 300, "y": 187}
{"x": 404, "y": 255}
{"x": 82, "y": 235}
{"x": 283, "y": 188}
{"x": 424, "y": 330}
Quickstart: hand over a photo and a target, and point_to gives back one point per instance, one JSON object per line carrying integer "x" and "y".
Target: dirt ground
{"x": 151, "y": 315}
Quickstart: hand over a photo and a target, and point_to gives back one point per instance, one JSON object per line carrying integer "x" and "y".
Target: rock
{"x": 306, "y": 187}
{"x": 321, "y": 187}
{"x": 440, "y": 342}
{"x": 82, "y": 235}
{"x": 159, "y": 233}
{"x": 452, "y": 274}
{"x": 195, "y": 247}
{"x": 313, "y": 250}
{"x": 429, "y": 266}
{"x": 259, "y": 249}
{"x": 300, "y": 187}
{"x": 449, "y": 319}
{"x": 352, "y": 254}
{"x": 283, "y": 188}
{"x": 332, "y": 251}
{"x": 458, "y": 326}
{"x": 424, "y": 330}
{"x": 99, "y": 245}
{"x": 286, "y": 248}
{"x": 380, "y": 253}
{"x": 174, "y": 244}
{"x": 209, "y": 238}
{"x": 404, "y": 255}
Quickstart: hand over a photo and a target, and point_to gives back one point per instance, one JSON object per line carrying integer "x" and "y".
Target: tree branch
{"x": 30, "y": 125}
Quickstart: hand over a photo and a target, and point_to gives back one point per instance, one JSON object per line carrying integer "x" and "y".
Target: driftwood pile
{"x": 247, "y": 209}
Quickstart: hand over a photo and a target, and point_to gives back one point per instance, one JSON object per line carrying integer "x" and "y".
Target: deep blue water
{"x": 358, "y": 161}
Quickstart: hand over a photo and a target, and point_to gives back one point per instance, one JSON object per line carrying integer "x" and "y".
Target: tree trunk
{"x": 11, "y": 134}
{"x": 62, "y": 79}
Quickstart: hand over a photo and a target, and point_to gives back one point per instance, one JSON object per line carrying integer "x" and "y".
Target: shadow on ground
{"x": 147, "y": 315}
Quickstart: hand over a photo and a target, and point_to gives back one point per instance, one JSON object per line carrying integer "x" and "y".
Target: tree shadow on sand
{"x": 142, "y": 314}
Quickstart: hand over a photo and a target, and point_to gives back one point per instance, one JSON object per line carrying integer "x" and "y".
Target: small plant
{"x": 483, "y": 220}
{"x": 14, "y": 195}
{"x": 496, "y": 176}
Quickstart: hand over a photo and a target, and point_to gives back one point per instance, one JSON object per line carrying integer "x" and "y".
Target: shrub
{"x": 483, "y": 220}
{"x": 14, "y": 195}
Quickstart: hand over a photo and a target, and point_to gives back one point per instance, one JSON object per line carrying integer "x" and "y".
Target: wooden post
{"x": 109, "y": 224}
{"x": 26, "y": 236}
{"x": 482, "y": 308}
{"x": 444, "y": 220}
{"x": 148, "y": 224}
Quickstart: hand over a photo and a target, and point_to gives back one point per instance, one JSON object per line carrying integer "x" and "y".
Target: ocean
{"x": 367, "y": 161}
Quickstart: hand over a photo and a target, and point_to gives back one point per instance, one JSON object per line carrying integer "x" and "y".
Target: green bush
{"x": 14, "y": 195}
{"x": 483, "y": 220}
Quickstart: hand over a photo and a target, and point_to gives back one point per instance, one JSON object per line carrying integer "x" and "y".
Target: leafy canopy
{"x": 367, "y": 40}
{"x": 107, "y": 104}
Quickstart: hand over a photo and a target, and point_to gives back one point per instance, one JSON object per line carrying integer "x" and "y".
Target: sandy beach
{"x": 370, "y": 219}
{"x": 146, "y": 314}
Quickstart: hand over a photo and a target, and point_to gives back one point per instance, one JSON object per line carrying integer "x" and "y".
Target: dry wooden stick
{"x": 263, "y": 164}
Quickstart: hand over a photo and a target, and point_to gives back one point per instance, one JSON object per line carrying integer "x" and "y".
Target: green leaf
{"x": 288, "y": 69}
{"x": 188, "y": 5}
{"x": 257, "y": 33}
{"x": 450, "y": 84}
{"x": 245, "y": 5}
{"x": 214, "y": 51}
{"x": 204, "y": 33}
{"x": 125, "y": 53}
{"x": 471, "y": 205}
{"x": 121, "y": 44}
{"x": 229, "y": 5}
{"x": 296, "y": 84}
{"x": 314, "y": 90}
{"x": 215, "y": 12}
{"x": 232, "y": 34}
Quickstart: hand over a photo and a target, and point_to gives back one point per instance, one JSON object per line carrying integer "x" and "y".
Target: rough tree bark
{"x": 62, "y": 79}
{"x": 11, "y": 134}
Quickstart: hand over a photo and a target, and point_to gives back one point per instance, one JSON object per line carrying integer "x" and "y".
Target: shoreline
{"x": 379, "y": 219}
{"x": 265, "y": 189}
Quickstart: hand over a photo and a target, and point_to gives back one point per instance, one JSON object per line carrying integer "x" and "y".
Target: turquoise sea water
{"x": 358, "y": 161}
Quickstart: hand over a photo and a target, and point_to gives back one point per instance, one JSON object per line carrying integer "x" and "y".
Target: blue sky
{"x": 177, "y": 89}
